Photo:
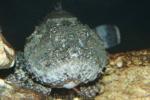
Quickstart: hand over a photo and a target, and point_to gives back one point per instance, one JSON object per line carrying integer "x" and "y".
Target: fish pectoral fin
{"x": 109, "y": 34}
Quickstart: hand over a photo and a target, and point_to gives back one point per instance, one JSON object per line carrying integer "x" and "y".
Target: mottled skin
{"x": 60, "y": 53}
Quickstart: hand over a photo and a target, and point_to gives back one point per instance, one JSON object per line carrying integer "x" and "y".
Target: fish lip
{"x": 70, "y": 84}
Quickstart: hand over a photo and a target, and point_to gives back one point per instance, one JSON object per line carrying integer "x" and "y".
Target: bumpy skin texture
{"x": 23, "y": 79}
{"x": 60, "y": 53}
{"x": 64, "y": 53}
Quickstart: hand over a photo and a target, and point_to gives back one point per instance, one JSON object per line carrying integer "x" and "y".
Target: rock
{"x": 10, "y": 92}
{"x": 7, "y": 54}
{"x": 127, "y": 77}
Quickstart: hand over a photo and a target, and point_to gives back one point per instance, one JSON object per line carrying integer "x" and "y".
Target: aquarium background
{"x": 19, "y": 17}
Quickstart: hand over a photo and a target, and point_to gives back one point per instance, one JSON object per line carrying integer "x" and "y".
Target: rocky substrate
{"x": 126, "y": 78}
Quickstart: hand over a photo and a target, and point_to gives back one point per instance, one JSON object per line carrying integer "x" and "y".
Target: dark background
{"x": 19, "y": 17}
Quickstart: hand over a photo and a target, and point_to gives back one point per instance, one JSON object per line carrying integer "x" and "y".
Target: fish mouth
{"x": 67, "y": 84}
